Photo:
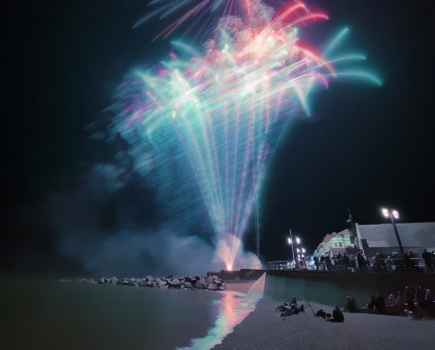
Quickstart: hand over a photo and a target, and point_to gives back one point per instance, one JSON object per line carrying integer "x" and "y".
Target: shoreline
{"x": 237, "y": 303}
{"x": 238, "y": 286}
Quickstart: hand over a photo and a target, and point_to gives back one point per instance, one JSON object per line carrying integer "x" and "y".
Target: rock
{"x": 161, "y": 284}
{"x": 141, "y": 282}
{"x": 212, "y": 286}
{"x": 189, "y": 279}
{"x": 127, "y": 282}
{"x": 187, "y": 285}
{"x": 113, "y": 280}
{"x": 174, "y": 283}
{"x": 211, "y": 282}
{"x": 200, "y": 284}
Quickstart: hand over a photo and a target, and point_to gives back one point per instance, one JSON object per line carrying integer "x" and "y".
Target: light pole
{"x": 292, "y": 240}
{"x": 290, "y": 243}
{"x": 393, "y": 215}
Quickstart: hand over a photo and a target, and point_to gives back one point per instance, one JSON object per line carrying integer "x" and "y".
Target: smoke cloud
{"x": 114, "y": 224}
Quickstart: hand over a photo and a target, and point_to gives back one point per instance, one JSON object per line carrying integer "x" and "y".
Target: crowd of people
{"x": 417, "y": 302}
{"x": 292, "y": 307}
{"x": 377, "y": 263}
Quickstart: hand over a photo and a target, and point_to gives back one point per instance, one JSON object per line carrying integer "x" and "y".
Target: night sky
{"x": 362, "y": 148}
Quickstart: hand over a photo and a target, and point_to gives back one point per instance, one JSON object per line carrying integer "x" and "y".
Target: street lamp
{"x": 393, "y": 215}
{"x": 303, "y": 250}
{"x": 290, "y": 243}
{"x": 292, "y": 240}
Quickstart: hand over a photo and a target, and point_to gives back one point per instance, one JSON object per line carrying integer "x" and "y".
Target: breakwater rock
{"x": 210, "y": 282}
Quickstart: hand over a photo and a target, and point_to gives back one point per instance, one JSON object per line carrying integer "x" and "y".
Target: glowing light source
{"x": 385, "y": 212}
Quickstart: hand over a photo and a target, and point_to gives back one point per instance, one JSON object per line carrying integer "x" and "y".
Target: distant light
{"x": 303, "y": 250}
{"x": 229, "y": 267}
{"x": 395, "y": 214}
{"x": 289, "y": 241}
{"x": 298, "y": 250}
{"x": 298, "y": 240}
{"x": 385, "y": 213}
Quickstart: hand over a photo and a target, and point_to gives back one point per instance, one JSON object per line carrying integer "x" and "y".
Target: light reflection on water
{"x": 234, "y": 307}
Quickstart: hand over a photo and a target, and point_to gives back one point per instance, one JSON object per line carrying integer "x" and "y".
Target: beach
{"x": 265, "y": 330}
{"x": 52, "y": 315}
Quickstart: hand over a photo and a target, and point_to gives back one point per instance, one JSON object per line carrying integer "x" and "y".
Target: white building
{"x": 336, "y": 243}
{"x": 379, "y": 238}
{"x": 415, "y": 236}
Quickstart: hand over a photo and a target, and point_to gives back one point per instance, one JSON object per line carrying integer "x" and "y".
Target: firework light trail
{"x": 200, "y": 13}
{"x": 225, "y": 106}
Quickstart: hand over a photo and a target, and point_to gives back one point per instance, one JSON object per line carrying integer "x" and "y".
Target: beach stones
{"x": 212, "y": 286}
{"x": 188, "y": 285}
{"x": 211, "y": 282}
{"x": 200, "y": 284}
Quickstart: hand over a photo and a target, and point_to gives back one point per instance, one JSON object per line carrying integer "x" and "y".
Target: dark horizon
{"x": 362, "y": 148}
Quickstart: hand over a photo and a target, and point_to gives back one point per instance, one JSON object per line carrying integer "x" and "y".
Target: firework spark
{"x": 194, "y": 14}
{"x": 225, "y": 106}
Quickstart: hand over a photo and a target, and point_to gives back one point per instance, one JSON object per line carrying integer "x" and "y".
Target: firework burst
{"x": 224, "y": 106}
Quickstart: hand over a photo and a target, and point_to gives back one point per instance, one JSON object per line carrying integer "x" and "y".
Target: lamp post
{"x": 292, "y": 240}
{"x": 393, "y": 215}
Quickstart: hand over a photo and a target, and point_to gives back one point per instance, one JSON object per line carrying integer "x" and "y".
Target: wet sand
{"x": 238, "y": 286}
{"x": 265, "y": 330}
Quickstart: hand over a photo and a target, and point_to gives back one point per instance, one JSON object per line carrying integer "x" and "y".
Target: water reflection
{"x": 234, "y": 307}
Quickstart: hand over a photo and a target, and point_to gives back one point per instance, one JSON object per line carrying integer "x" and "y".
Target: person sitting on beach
{"x": 371, "y": 306}
{"x": 287, "y": 305}
{"x": 337, "y": 315}
{"x": 291, "y": 308}
{"x": 321, "y": 314}
{"x": 380, "y": 304}
{"x": 351, "y": 305}
{"x": 282, "y": 307}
